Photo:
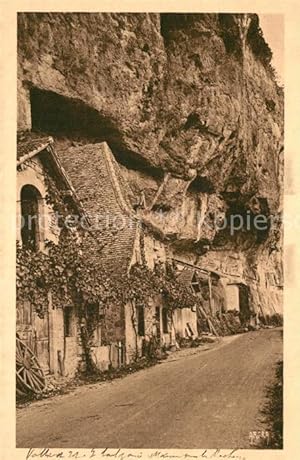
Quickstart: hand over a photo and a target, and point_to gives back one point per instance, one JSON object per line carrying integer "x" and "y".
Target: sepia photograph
{"x": 149, "y": 235}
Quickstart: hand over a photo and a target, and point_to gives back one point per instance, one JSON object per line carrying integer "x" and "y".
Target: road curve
{"x": 211, "y": 399}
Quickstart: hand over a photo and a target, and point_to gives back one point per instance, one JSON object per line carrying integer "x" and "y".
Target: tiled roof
{"x": 102, "y": 191}
{"x": 29, "y": 143}
{"x": 186, "y": 276}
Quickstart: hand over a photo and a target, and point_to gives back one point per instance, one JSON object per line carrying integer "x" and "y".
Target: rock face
{"x": 189, "y": 106}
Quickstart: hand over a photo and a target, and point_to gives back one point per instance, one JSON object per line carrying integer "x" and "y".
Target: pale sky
{"x": 272, "y": 26}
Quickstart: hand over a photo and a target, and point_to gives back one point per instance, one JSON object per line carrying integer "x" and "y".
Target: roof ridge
{"x": 47, "y": 142}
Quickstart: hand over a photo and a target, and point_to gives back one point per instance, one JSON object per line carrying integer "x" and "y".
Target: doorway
{"x": 244, "y": 302}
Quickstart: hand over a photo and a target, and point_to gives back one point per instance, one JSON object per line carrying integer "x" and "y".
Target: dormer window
{"x": 30, "y": 197}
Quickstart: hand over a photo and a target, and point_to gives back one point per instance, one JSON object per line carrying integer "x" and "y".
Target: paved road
{"x": 207, "y": 400}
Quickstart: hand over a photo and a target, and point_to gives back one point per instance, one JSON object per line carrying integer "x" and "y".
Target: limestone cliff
{"x": 191, "y": 109}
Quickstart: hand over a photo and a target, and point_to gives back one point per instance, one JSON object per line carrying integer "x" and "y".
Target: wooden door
{"x": 24, "y": 323}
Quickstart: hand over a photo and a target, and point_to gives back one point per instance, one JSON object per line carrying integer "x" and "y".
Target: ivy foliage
{"x": 230, "y": 34}
{"x": 64, "y": 270}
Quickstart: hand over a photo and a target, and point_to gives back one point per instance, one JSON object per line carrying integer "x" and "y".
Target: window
{"x": 67, "y": 321}
{"x": 141, "y": 320}
{"x": 30, "y": 197}
{"x": 165, "y": 320}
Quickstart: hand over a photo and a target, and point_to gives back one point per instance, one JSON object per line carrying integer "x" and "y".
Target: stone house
{"x": 53, "y": 337}
{"x": 253, "y": 290}
{"x": 109, "y": 204}
{"x": 202, "y": 168}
